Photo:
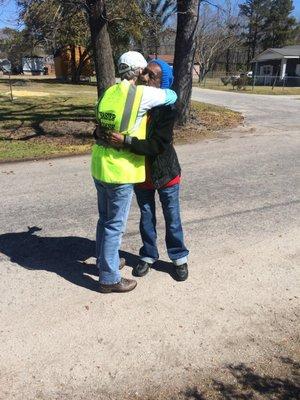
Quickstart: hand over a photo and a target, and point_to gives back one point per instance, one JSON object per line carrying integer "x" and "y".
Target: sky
{"x": 9, "y": 15}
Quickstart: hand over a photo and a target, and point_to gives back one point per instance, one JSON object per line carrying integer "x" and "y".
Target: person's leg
{"x": 169, "y": 198}
{"x": 102, "y": 206}
{"x": 122, "y": 259}
{"x": 117, "y": 199}
{"x": 146, "y": 201}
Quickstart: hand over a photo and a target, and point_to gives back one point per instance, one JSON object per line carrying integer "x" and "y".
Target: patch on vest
{"x": 107, "y": 119}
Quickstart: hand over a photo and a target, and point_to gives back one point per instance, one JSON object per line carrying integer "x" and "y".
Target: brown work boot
{"x": 122, "y": 263}
{"x": 125, "y": 285}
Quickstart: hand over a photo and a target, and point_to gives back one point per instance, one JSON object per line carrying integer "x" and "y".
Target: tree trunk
{"x": 73, "y": 63}
{"x": 102, "y": 52}
{"x": 185, "y": 47}
{"x": 227, "y": 67}
{"x": 250, "y": 39}
{"x": 84, "y": 58}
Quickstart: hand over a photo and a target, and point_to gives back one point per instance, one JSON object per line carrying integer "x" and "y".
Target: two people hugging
{"x": 134, "y": 152}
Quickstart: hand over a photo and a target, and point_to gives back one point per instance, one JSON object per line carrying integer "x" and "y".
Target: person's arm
{"x": 151, "y": 97}
{"x": 159, "y": 141}
{"x": 99, "y": 133}
{"x": 103, "y": 136}
{"x": 154, "y": 97}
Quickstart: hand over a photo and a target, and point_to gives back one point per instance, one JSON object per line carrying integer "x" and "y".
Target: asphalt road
{"x": 264, "y": 113}
{"x": 61, "y": 339}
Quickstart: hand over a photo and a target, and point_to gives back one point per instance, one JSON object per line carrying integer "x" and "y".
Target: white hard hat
{"x": 130, "y": 61}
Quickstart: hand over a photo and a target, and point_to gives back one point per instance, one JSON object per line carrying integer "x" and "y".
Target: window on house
{"x": 266, "y": 70}
{"x": 298, "y": 69}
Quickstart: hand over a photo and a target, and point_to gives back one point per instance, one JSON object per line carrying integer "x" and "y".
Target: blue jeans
{"x": 113, "y": 205}
{"x": 169, "y": 198}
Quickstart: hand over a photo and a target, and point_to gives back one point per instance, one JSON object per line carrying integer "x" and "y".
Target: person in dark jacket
{"x": 163, "y": 174}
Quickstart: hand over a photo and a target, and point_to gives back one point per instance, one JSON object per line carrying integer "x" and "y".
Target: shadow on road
{"x": 160, "y": 266}
{"x": 64, "y": 256}
{"x": 249, "y": 384}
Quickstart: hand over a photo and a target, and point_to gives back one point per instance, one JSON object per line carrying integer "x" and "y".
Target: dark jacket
{"x": 158, "y": 146}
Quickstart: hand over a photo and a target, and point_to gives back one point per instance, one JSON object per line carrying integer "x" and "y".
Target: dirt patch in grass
{"x": 46, "y": 139}
{"x": 69, "y": 132}
{"x": 62, "y": 123}
{"x": 206, "y": 120}
{"x": 54, "y": 132}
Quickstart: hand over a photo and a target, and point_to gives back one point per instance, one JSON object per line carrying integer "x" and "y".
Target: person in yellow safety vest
{"x": 122, "y": 108}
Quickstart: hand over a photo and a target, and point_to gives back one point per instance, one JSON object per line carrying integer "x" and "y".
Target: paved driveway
{"x": 240, "y": 307}
{"x": 265, "y": 113}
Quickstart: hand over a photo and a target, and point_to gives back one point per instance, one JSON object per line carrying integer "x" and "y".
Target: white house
{"x": 33, "y": 65}
{"x": 280, "y": 64}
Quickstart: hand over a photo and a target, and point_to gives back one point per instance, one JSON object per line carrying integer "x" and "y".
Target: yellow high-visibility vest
{"x": 117, "y": 110}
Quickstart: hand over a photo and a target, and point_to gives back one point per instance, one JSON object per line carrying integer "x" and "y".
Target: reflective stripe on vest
{"x": 128, "y": 108}
{"x": 117, "y": 110}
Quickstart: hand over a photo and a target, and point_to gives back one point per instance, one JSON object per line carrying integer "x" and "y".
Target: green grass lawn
{"x": 36, "y": 101}
{"x": 47, "y": 119}
{"x": 216, "y": 84}
{"x": 11, "y": 151}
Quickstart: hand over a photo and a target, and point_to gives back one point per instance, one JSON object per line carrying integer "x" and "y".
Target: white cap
{"x": 130, "y": 61}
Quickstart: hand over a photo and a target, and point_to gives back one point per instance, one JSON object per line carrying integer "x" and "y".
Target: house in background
{"x": 278, "y": 66}
{"x": 73, "y": 63}
{"x": 33, "y": 65}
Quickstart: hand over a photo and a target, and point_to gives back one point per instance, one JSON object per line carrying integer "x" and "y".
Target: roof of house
{"x": 288, "y": 50}
{"x": 277, "y": 54}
